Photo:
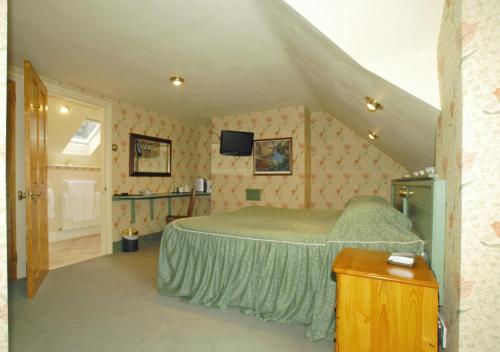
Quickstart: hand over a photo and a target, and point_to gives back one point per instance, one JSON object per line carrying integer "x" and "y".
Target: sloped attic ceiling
{"x": 390, "y": 38}
{"x": 236, "y": 56}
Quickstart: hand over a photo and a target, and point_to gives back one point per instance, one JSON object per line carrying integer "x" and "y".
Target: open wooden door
{"x": 37, "y": 237}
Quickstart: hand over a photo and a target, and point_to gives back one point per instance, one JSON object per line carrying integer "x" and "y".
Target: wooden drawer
{"x": 376, "y": 313}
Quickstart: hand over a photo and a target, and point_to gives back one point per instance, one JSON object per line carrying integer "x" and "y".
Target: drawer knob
{"x": 404, "y": 192}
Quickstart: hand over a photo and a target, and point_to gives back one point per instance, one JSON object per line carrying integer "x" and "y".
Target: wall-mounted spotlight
{"x": 372, "y": 135}
{"x": 373, "y": 105}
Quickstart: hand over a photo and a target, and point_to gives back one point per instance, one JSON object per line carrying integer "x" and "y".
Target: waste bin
{"x": 130, "y": 240}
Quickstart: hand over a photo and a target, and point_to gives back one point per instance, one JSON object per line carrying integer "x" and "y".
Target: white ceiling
{"x": 236, "y": 56}
{"x": 62, "y": 127}
{"x": 395, "y": 39}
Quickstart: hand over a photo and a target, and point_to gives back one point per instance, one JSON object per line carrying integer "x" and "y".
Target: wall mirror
{"x": 150, "y": 156}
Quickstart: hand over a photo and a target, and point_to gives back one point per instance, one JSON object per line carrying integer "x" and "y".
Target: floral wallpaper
{"x": 480, "y": 169}
{"x": 345, "y": 165}
{"x": 4, "y": 321}
{"x": 466, "y": 154}
{"x": 203, "y": 150}
{"x": 448, "y": 156}
{"x": 231, "y": 175}
{"x": 188, "y": 139}
{"x": 187, "y": 164}
{"x": 341, "y": 166}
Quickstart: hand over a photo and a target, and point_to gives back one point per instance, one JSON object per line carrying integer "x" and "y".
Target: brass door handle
{"x": 404, "y": 192}
{"x": 22, "y": 195}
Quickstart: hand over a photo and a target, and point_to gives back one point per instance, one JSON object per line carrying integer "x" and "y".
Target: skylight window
{"x": 86, "y": 132}
{"x": 85, "y": 140}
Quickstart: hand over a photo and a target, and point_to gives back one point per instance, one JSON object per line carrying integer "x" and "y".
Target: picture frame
{"x": 273, "y": 156}
{"x": 150, "y": 156}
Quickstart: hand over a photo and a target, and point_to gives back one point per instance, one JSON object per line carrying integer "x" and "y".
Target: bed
{"x": 275, "y": 263}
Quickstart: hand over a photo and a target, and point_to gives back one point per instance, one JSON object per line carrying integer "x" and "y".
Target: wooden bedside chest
{"x": 384, "y": 307}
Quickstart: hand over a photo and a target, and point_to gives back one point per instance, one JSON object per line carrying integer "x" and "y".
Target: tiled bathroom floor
{"x": 75, "y": 250}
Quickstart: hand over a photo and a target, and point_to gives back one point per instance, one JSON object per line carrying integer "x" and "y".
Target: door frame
{"x": 53, "y": 89}
{"x": 11, "y": 181}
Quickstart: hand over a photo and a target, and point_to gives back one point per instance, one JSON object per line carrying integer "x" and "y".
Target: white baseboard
{"x": 55, "y": 236}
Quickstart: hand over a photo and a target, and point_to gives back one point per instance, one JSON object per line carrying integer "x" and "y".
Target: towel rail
{"x": 65, "y": 221}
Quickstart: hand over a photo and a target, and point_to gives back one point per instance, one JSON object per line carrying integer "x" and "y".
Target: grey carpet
{"x": 110, "y": 304}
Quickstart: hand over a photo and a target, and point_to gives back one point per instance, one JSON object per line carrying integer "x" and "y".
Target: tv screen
{"x": 236, "y": 143}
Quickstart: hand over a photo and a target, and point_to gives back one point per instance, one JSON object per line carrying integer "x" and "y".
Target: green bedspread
{"x": 275, "y": 263}
{"x": 266, "y": 223}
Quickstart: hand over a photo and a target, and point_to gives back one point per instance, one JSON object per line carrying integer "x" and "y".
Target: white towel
{"x": 81, "y": 199}
{"x": 50, "y": 203}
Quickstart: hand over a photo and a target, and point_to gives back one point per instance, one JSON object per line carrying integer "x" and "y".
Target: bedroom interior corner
{"x": 391, "y": 144}
{"x": 331, "y": 162}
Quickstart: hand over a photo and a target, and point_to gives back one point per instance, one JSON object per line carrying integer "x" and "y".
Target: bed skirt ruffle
{"x": 272, "y": 280}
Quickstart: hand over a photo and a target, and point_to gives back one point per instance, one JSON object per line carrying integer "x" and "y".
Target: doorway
{"x": 75, "y": 181}
{"x": 18, "y": 254}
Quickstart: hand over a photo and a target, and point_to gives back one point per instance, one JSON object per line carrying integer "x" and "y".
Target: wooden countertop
{"x": 373, "y": 264}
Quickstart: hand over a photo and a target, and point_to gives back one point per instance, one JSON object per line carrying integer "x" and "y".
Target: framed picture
{"x": 272, "y": 156}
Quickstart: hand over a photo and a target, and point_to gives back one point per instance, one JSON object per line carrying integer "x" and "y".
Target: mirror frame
{"x": 133, "y": 138}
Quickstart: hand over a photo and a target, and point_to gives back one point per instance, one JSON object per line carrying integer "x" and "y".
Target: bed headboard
{"x": 423, "y": 200}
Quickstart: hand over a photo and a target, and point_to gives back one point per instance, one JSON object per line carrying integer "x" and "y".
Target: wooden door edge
{"x": 11, "y": 181}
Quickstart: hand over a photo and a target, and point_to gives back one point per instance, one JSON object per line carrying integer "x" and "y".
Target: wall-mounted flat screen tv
{"x": 236, "y": 143}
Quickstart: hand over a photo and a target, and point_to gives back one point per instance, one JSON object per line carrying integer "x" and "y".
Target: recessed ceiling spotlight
{"x": 372, "y": 105}
{"x": 176, "y": 80}
{"x": 372, "y": 135}
{"x": 63, "y": 109}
